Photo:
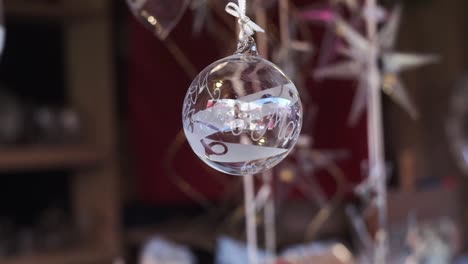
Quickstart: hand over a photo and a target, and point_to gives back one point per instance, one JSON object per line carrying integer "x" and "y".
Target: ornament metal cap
{"x": 247, "y": 46}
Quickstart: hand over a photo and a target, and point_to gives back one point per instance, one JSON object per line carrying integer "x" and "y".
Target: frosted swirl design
{"x": 242, "y": 115}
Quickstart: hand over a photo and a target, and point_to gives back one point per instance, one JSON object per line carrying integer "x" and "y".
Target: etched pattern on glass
{"x": 242, "y": 115}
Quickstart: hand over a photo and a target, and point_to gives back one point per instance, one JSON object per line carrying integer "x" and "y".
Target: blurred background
{"x": 94, "y": 166}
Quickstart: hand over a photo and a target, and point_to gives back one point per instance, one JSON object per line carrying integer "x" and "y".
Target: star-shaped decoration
{"x": 390, "y": 64}
{"x": 326, "y": 15}
{"x": 329, "y": 14}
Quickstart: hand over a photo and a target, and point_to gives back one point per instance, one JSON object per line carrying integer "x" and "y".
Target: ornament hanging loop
{"x": 247, "y": 26}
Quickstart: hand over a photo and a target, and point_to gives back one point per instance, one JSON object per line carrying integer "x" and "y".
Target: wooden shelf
{"x": 48, "y": 157}
{"x": 54, "y": 11}
{"x": 88, "y": 43}
{"x": 77, "y": 256}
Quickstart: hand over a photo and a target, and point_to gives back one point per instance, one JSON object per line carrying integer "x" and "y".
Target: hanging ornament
{"x": 159, "y": 16}
{"x": 328, "y": 14}
{"x": 242, "y": 115}
{"x": 391, "y": 63}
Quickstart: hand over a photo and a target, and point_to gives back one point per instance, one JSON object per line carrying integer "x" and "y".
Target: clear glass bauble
{"x": 242, "y": 115}
{"x": 159, "y": 16}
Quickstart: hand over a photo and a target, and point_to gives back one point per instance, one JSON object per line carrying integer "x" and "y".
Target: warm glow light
{"x": 389, "y": 81}
{"x": 287, "y": 175}
{"x": 152, "y": 20}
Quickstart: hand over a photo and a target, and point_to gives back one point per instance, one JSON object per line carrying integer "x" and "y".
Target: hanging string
{"x": 247, "y": 26}
{"x": 376, "y": 145}
{"x": 247, "y": 30}
{"x": 250, "y": 215}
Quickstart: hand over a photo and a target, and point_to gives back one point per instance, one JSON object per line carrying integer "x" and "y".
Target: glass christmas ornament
{"x": 242, "y": 115}
{"x": 159, "y": 16}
